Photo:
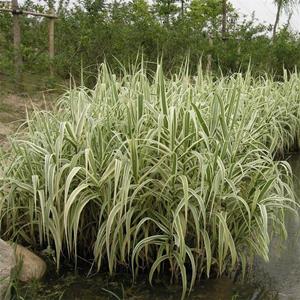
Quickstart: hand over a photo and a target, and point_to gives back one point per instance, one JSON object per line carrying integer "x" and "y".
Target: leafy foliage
{"x": 89, "y": 32}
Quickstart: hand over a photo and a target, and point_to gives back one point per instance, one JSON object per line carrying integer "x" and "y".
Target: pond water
{"x": 278, "y": 279}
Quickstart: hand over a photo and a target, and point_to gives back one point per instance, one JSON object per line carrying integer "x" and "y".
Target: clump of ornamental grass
{"x": 147, "y": 173}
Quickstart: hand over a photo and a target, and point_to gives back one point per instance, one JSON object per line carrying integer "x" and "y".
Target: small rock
{"x": 7, "y": 263}
{"x": 32, "y": 266}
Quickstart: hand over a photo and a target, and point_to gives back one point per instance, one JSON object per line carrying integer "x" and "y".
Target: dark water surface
{"x": 278, "y": 279}
{"x": 103, "y": 287}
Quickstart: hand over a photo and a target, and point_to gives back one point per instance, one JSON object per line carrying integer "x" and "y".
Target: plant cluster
{"x": 153, "y": 174}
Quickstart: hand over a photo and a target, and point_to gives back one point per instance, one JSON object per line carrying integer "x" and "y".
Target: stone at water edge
{"x": 33, "y": 267}
{"x": 7, "y": 263}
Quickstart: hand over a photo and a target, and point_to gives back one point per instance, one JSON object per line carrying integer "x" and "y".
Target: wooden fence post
{"x": 17, "y": 40}
{"x": 15, "y": 11}
{"x": 51, "y": 42}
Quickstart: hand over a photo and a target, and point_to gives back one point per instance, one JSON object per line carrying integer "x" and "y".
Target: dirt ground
{"x": 13, "y": 111}
{"x": 34, "y": 91}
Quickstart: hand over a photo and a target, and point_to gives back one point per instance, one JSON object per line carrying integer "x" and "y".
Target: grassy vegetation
{"x": 148, "y": 173}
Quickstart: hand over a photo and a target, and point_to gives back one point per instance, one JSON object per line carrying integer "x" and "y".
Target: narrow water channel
{"x": 278, "y": 279}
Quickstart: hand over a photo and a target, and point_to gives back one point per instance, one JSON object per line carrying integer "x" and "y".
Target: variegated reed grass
{"x": 166, "y": 175}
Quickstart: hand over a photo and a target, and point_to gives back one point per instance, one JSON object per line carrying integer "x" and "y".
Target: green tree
{"x": 281, "y": 5}
{"x": 166, "y": 10}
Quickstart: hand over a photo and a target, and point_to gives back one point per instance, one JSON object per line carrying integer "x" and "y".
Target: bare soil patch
{"x": 13, "y": 111}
